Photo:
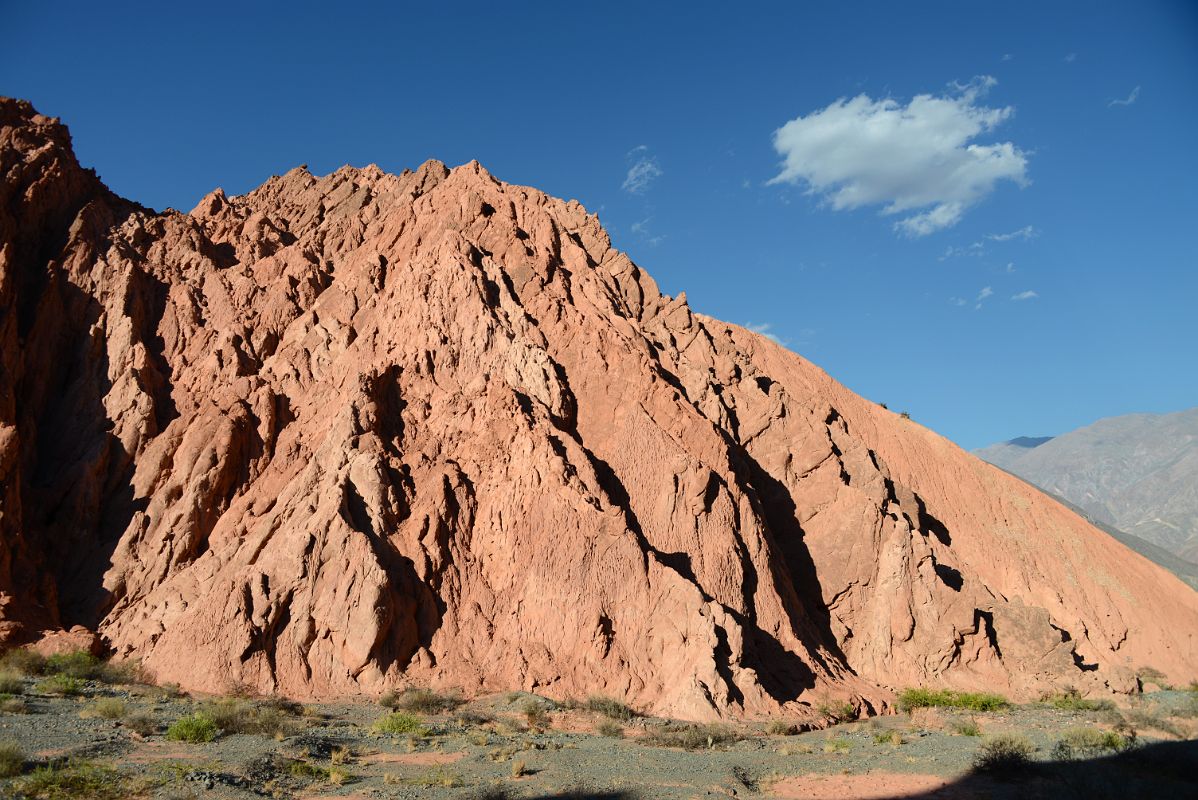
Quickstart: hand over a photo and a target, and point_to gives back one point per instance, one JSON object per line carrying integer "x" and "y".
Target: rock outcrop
{"x": 347, "y": 432}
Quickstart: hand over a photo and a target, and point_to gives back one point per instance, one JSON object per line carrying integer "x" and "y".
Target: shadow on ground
{"x": 1153, "y": 771}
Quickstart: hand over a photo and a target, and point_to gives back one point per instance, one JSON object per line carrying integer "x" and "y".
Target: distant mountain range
{"x": 1136, "y": 474}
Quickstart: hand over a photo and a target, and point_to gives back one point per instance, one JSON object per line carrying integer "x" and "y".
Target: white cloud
{"x": 1028, "y": 295}
{"x": 763, "y": 328}
{"x": 643, "y": 172}
{"x": 979, "y": 248}
{"x": 958, "y": 301}
{"x": 1131, "y": 98}
{"x": 1026, "y": 232}
{"x": 1010, "y": 266}
{"x": 916, "y": 157}
{"x": 1069, "y": 59}
{"x": 986, "y": 292}
{"x": 975, "y": 249}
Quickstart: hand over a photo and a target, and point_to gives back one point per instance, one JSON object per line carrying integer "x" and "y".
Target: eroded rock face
{"x": 347, "y": 432}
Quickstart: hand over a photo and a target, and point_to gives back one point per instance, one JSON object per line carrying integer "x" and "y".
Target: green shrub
{"x": 75, "y": 664}
{"x": 262, "y": 717}
{"x": 839, "y": 711}
{"x": 609, "y": 728}
{"x": 11, "y": 683}
{"x": 1088, "y": 743}
{"x": 609, "y": 707}
{"x": 1072, "y": 700}
{"x": 690, "y": 736}
{"x": 193, "y": 728}
{"x": 398, "y": 723}
{"x": 421, "y": 701}
{"x": 304, "y": 769}
{"x": 64, "y": 685}
{"x": 946, "y": 698}
{"x": 1004, "y": 755}
{"x": 23, "y": 661}
{"x": 12, "y": 760}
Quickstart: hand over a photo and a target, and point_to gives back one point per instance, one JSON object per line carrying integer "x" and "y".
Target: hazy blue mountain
{"x": 1137, "y": 474}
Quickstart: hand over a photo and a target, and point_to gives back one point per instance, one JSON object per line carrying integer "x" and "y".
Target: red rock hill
{"x": 347, "y": 432}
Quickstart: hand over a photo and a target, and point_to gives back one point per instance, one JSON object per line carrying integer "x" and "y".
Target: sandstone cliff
{"x": 347, "y": 432}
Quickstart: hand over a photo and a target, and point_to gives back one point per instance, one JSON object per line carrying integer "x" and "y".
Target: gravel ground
{"x": 487, "y": 749}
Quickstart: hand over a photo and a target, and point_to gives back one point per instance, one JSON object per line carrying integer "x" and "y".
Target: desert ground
{"x": 75, "y": 727}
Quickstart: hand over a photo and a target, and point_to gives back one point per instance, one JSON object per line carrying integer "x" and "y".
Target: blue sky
{"x": 943, "y": 159}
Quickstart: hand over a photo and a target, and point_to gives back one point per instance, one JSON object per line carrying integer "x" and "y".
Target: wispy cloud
{"x": 1070, "y": 58}
{"x": 979, "y": 248}
{"x": 986, "y": 292}
{"x": 1026, "y": 232}
{"x": 1028, "y": 295}
{"x": 643, "y": 172}
{"x": 1131, "y": 98}
{"x": 764, "y": 328}
{"x": 975, "y": 249}
{"x": 1007, "y": 56}
{"x": 920, "y": 157}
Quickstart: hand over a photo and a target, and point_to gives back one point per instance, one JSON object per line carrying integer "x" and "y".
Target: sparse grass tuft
{"x": 315, "y": 772}
{"x": 62, "y": 685}
{"x": 421, "y": 701}
{"x": 837, "y": 744}
{"x": 1149, "y": 675}
{"x": 889, "y": 737}
{"x": 12, "y": 760}
{"x": 11, "y": 683}
{"x": 438, "y": 776}
{"x": 534, "y": 712}
{"x": 1004, "y": 756}
{"x": 780, "y": 727}
{"x": 106, "y": 708}
{"x": 1072, "y": 700}
{"x": 519, "y": 769}
{"x": 13, "y": 705}
{"x": 398, "y": 723}
{"x": 966, "y": 727}
{"x": 1141, "y": 718}
{"x": 1077, "y": 743}
{"x": 610, "y": 708}
{"x": 610, "y": 728}
{"x": 690, "y": 737}
{"x": 77, "y": 779}
{"x": 946, "y": 698}
{"x": 141, "y": 724}
{"x": 193, "y": 728}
